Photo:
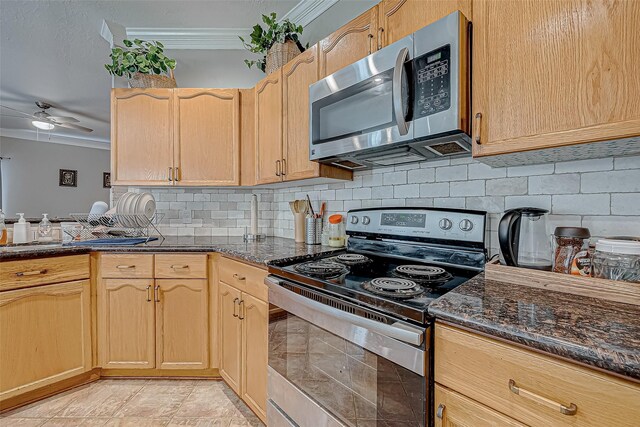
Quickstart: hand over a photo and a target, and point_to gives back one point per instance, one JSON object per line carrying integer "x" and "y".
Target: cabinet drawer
{"x": 41, "y": 271}
{"x": 129, "y": 266}
{"x": 455, "y": 410}
{"x": 245, "y": 277}
{"x": 176, "y": 266}
{"x": 530, "y": 387}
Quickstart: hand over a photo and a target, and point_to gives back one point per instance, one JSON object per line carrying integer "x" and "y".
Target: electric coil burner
{"x": 322, "y": 269}
{"x": 352, "y": 259}
{"x": 393, "y": 287}
{"x": 426, "y": 275}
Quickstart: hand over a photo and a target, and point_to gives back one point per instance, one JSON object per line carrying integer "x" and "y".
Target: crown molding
{"x": 52, "y": 138}
{"x": 193, "y": 38}
{"x": 307, "y": 10}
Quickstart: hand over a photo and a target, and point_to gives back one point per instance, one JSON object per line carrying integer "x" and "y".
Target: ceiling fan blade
{"x": 73, "y": 126}
{"x": 63, "y": 119}
{"x": 16, "y": 117}
{"x": 18, "y": 111}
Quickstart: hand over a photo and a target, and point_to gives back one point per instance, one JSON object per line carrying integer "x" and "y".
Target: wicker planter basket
{"x": 153, "y": 80}
{"x": 279, "y": 54}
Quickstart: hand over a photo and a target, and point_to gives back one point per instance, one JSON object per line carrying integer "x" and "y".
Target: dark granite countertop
{"x": 596, "y": 332}
{"x": 256, "y": 252}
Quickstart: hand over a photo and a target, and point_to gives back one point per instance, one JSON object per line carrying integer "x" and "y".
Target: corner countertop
{"x": 272, "y": 248}
{"x": 600, "y": 333}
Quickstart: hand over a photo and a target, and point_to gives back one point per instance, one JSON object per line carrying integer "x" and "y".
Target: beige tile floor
{"x": 138, "y": 403}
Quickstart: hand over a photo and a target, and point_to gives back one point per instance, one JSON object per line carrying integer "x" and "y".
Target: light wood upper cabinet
{"x": 268, "y": 129}
{"x": 207, "y": 136}
{"x": 255, "y": 318}
{"x": 126, "y": 323}
{"x": 230, "y": 336}
{"x": 554, "y": 73}
{"x": 297, "y": 75}
{"x": 141, "y": 136}
{"x": 248, "y": 137}
{"x": 349, "y": 43}
{"x": 399, "y": 18}
{"x": 182, "y": 324}
{"x": 45, "y": 336}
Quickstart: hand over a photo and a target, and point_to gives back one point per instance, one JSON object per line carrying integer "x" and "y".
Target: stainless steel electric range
{"x": 349, "y": 332}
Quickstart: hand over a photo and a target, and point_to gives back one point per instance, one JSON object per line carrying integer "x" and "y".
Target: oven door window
{"x": 355, "y": 385}
{"x": 359, "y": 109}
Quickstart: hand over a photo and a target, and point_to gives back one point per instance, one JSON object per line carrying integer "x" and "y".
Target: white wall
{"x": 30, "y": 177}
{"x": 335, "y": 17}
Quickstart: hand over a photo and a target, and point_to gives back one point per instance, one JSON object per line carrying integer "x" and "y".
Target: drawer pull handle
{"x": 235, "y": 302}
{"x": 31, "y": 273}
{"x": 180, "y": 266}
{"x": 156, "y": 292}
{"x": 125, "y": 267}
{"x": 440, "y": 411}
{"x": 478, "y": 119}
{"x": 149, "y": 293}
{"x": 241, "y": 309}
{"x": 572, "y": 409}
{"x": 238, "y": 277}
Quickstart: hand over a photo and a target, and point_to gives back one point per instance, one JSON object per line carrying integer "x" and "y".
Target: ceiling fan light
{"x": 42, "y": 125}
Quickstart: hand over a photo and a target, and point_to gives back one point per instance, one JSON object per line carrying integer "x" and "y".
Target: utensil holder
{"x": 314, "y": 231}
{"x": 299, "y": 226}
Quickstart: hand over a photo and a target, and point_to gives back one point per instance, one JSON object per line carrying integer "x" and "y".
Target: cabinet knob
{"x": 238, "y": 277}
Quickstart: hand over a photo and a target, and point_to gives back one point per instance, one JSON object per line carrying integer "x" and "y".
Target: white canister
{"x": 22, "y": 231}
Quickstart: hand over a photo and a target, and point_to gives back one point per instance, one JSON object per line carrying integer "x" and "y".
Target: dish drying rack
{"x": 115, "y": 226}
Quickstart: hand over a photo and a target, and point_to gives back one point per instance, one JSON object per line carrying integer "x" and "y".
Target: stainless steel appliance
{"x": 349, "y": 332}
{"x": 407, "y": 102}
{"x": 524, "y": 238}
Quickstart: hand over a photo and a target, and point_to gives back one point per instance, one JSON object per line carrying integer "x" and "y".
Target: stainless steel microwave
{"x": 407, "y": 102}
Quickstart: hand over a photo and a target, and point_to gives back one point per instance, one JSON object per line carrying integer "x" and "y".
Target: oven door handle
{"x": 403, "y": 125}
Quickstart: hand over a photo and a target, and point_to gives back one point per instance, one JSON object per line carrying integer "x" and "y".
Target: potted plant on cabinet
{"x": 143, "y": 63}
{"x": 279, "y": 43}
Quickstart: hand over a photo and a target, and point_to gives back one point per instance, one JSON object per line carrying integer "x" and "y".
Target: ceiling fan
{"x": 45, "y": 121}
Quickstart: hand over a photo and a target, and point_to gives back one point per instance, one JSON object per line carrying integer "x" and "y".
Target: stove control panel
{"x": 442, "y": 224}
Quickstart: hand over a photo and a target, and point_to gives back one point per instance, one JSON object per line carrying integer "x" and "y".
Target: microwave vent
{"x": 447, "y": 148}
{"x": 395, "y": 159}
{"x": 348, "y": 164}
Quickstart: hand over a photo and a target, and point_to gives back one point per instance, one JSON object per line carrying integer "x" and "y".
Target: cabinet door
{"x": 255, "y": 321}
{"x": 349, "y": 43}
{"x": 207, "y": 136}
{"x": 126, "y": 323}
{"x": 141, "y": 136}
{"x": 554, "y": 73}
{"x": 230, "y": 336}
{"x": 269, "y": 128}
{"x": 45, "y": 336}
{"x": 399, "y": 18}
{"x": 182, "y": 324}
{"x": 297, "y": 75}
{"x": 455, "y": 410}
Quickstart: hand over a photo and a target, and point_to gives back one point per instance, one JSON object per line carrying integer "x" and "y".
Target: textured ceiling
{"x": 52, "y": 51}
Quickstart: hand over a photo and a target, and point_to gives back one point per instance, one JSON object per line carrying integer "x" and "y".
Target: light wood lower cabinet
{"x": 126, "y": 324}
{"x": 534, "y": 389}
{"x": 182, "y": 324}
{"x": 230, "y": 336}
{"x": 244, "y": 322}
{"x": 255, "y": 322}
{"x": 45, "y": 336}
{"x": 455, "y": 410}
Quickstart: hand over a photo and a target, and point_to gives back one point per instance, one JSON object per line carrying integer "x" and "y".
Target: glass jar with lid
{"x": 617, "y": 259}
{"x": 45, "y": 229}
{"x": 337, "y": 236}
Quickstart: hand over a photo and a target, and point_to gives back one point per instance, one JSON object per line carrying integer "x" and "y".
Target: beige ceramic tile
{"x": 104, "y": 400}
{"x": 156, "y": 399}
{"x": 206, "y": 402}
{"x": 21, "y": 422}
{"x": 198, "y": 422}
{"x": 137, "y": 422}
{"x": 73, "y": 421}
{"x": 49, "y": 407}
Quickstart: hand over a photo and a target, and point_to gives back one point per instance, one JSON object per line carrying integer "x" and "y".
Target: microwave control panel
{"x": 432, "y": 82}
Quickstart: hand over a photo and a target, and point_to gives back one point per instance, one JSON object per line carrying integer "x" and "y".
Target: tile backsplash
{"x": 601, "y": 194}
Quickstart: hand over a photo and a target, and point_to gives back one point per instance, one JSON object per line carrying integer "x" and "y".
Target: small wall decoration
{"x": 68, "y": 178}
{"x": 106, "y": 179}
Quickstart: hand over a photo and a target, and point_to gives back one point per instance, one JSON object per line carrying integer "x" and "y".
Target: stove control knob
{"x": 366, "y": 220}
{"x": 354, "y": 219}
{"x": 445, "y": 224}
{"x": 466, "y": 225}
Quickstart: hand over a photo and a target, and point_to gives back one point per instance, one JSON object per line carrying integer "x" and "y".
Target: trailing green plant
{"x": 139, "y": 56}
{"x": 276, "y": 32}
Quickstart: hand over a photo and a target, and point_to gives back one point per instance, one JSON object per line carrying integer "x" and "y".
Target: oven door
{"x": 364, "y": 105}
{"x": 332, "y": 363}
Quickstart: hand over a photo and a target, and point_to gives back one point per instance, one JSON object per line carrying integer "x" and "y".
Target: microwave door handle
{"x": 403, "y": 126}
